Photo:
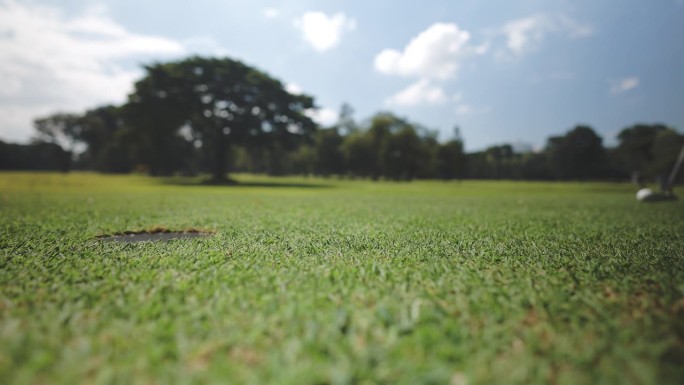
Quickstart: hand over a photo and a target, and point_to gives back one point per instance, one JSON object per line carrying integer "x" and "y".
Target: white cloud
{"x": 524, "y": 34}
{"x": 420, "y": 93}
{"x": 324, "y": 32}
{"x": 323, "y": 116}
{"x": 434, "y": 57}
{"x": 434, "y": 53}
{"x": 293, "y": 88}
{"x": 520, "y": 32}
{"x": 624, "y": 85}
{"x": 49, "y": 62}
{"x": 271, "y": 13}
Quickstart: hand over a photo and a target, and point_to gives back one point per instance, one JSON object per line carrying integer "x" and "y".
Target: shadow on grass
{"x": 197, "y": 181}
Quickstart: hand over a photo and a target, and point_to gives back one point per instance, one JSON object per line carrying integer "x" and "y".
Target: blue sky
{"x": 514, "y": 71}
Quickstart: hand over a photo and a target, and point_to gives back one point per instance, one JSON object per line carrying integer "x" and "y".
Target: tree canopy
{"x": 221, "y": 102}
{"x": 218, "y": 115}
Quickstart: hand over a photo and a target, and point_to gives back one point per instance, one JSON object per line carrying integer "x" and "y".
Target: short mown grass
{"x": 315, "y": 281}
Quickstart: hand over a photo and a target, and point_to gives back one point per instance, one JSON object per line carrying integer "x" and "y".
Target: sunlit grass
{"x": 335, "y": 281}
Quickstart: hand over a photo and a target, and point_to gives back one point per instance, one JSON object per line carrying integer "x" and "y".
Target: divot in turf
{"x": 155, "y": 234}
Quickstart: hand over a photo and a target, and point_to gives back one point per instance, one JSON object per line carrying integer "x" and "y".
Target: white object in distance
{"x": 647, "y": 195}
{"x": 644, "y": 194}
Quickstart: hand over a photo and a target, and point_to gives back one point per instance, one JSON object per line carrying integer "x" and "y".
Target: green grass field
{"x": 313, "y": 281}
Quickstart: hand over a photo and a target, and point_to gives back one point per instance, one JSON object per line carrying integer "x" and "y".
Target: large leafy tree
{"x": 329, "y": 157}
{"x": 578, "y": 155}
{"x": 634, "y": 152}
{"x": 97, "y": 139}
{"x": 218, "y": 102}
{"x": 405, "y": 154}
{"x": 395, "y": 147}
{"x": 64, "y": 129}
{"x": 359, "y": 154}
{"x": 451, "y": 159}
{"x": 389, "y": 147}
{"x": 104, "y": 131}
{"x": 666, "y": 148}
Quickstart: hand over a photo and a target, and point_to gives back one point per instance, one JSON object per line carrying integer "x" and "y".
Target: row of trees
{"x": 644, "y": 150}
{"x": 386, "y": 147}
{"x": 392, "y": 148}
{"x": 35, "y": 156}
{"x": 206, "y": 115}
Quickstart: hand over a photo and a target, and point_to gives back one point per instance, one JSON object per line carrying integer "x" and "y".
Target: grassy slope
{"x": 343, "y": 282}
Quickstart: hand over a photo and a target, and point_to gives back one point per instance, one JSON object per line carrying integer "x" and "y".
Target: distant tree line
{"x": 214, "y": 116}
{"x": 34, "y": 156}
{"x": 644, "y": 150}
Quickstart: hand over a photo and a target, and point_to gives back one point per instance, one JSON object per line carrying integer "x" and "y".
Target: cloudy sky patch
{"x": 624, "y": 85}
{"x": 522, "y": 70}
{"x": 323, "y": 32}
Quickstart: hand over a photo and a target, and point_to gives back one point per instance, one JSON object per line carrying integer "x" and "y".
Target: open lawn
{"x": 314, "y": 281}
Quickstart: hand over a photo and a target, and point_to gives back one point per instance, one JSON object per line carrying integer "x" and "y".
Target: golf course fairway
{"x": 329, "y": 281}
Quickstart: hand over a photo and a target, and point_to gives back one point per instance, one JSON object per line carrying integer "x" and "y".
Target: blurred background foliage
{"x": 214, "y": 116}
